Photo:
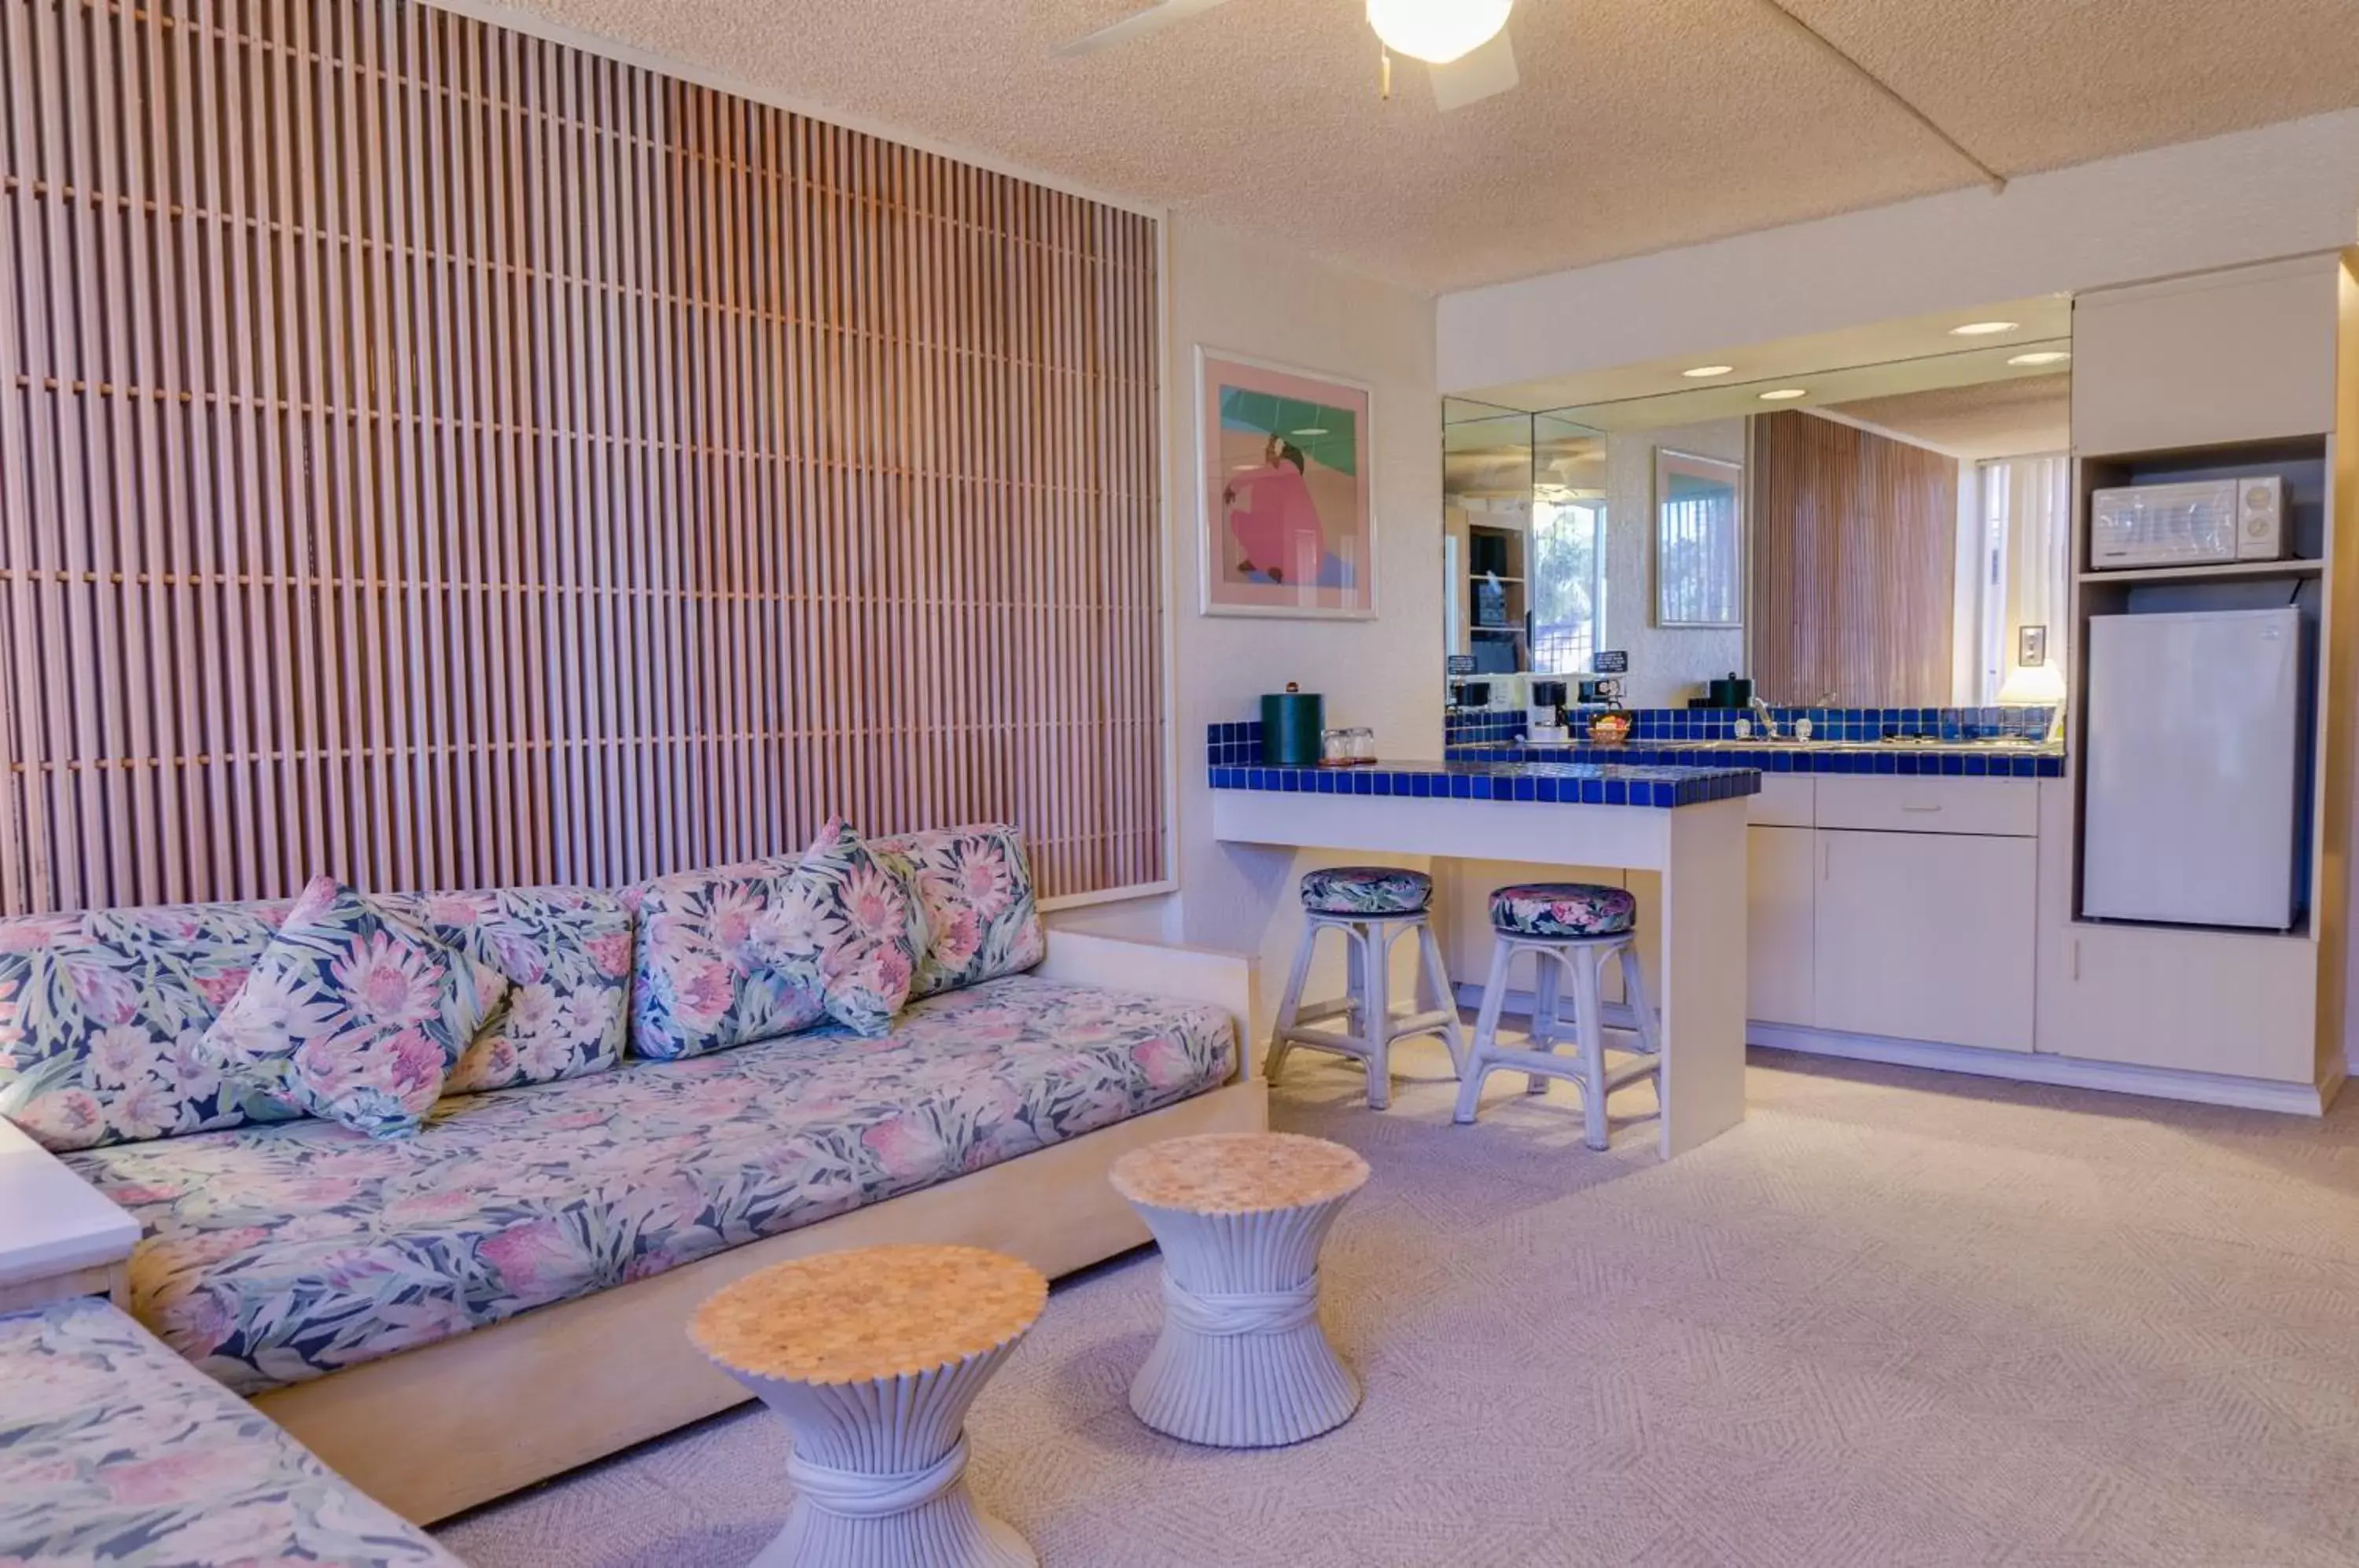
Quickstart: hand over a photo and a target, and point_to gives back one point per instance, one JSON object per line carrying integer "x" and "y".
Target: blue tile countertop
{"x": 1580, "y": 783}
{"x": 1965, "y": 760}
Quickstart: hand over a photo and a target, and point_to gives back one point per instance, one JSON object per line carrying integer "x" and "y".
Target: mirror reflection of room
{"x": 1875, "y": 519}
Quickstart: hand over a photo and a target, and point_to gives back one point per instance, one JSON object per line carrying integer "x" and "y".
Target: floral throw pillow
{"x": 849, "y": 924}
{"x": 354, "y": 1014}
{"x": 101, "y": 1015}
{"x": 698, "y": 984}
{"x": 975, "y": 891}
{"x": 566, "y": 955}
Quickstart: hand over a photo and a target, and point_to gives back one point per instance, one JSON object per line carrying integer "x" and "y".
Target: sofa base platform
{"x": 435, "y": 1431}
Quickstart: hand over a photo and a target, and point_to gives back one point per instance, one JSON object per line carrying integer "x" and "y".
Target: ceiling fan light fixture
{"x": 1438, "y": 31}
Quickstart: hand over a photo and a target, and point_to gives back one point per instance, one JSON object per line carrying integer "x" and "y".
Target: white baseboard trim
{"x": 2112, "y": 1077}
{"x": 2066, "y": 1072}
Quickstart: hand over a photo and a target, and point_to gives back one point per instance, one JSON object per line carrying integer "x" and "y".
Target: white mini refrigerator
{"x": 2193, "y": 755}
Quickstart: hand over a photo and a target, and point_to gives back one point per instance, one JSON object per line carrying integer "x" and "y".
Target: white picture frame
{"x": 1319, "y": 523}
{"x": 1699, "y": 548}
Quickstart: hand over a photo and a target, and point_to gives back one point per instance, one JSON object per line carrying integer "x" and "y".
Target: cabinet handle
{"x": 1905, "y": 807}
{"x": 1826, "y": 858}
{"x": 2076, "y": 958}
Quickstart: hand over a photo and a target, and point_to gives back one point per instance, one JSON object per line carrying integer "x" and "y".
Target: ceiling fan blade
{"x": 1485, "y": 72}
{"x": 1154, "y": 19}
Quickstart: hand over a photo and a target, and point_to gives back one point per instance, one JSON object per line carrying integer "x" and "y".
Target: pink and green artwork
{"x": 1288, "y": 525}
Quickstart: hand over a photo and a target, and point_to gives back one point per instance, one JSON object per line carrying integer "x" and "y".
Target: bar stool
{"x": 1373, "y": 907}
{"x": 1568, "y": 927}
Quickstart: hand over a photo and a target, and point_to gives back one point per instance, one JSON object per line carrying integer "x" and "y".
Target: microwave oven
{"x": 2187, "y": 524}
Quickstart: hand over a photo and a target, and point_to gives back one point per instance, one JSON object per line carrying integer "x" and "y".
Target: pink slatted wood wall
{"x": 446, "y": 458}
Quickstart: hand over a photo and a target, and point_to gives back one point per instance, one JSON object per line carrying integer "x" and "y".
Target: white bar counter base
{"x": 1699, "y": 850}
{"x": 59, "y": 1237}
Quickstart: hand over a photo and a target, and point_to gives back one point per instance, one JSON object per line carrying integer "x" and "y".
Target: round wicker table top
{"x": 1239, "y": 1173}
{"x": 869, "y": 1315}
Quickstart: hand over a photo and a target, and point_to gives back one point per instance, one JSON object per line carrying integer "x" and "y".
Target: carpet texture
{"x": 1896, "y": 1318}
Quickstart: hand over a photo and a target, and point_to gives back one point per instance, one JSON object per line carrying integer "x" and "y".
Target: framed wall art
{"x": 1289, "y": 522}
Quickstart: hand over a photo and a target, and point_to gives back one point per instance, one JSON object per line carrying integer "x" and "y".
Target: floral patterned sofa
{"x": 649, "y": 1098}
{"x": 113, "y": 1450}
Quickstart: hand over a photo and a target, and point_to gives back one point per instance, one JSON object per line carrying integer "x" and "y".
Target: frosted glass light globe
{"x": 1438, "y": 31}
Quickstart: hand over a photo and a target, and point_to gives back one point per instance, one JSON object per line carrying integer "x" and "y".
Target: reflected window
{"x": 2025, "y": 561}
{"x": 1568, "y": 584}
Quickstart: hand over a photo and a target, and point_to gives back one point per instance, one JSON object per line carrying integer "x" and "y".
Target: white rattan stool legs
{"x": 1372, "y": 1023}
{"x": 1584, "y": 959}
{"x": 1243, "y": 1362}
{"x": 879, "y": 1473}
{"x": 872, "y": 1358}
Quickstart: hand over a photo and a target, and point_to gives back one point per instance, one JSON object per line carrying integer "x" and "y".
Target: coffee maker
{"x": 1544, "y": 713}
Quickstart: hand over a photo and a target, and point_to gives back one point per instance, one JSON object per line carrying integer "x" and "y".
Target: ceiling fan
{"x": 1464, "y": 42}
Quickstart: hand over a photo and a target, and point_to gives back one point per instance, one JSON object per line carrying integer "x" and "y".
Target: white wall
{"x": 1667, "y": 665}
{"x": 1230, "y": 291}
{"x": 2284, "y": 190}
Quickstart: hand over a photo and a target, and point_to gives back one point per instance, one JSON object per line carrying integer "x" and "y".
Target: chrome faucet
{"x": 1762, "y": 716}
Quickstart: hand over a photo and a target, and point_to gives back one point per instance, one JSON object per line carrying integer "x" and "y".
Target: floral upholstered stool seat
{"x": 873, "y": 1357}
{"x": 1371, "y": 907}
{"x": 1242, "y": 1362}
{"x": 1568, "y": 928}
{"x": 113, "y": 1450}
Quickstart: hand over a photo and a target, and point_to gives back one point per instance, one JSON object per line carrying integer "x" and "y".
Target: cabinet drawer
{"x": 1785, "y": 802}
{"x": 2002, "y": 808}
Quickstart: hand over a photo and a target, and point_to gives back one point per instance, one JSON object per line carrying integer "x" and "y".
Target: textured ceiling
{"x": 1995, "y": 419}
{"x": 1641, "y": 124}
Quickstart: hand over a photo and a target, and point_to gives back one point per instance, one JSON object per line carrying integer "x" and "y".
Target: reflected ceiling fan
{"x": 1464, "y": 42}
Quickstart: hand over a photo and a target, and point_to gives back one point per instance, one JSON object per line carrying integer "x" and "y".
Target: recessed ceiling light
{"x": 1704, "y": 371}
{"x": 1983, "y": 329}
{"x": 2045, "y": 356}
{"x": 1785, "y": 394}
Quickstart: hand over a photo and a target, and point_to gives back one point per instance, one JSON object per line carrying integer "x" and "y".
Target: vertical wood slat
{"x": 430, "y": 454}
{"x": 1854, "y": 564}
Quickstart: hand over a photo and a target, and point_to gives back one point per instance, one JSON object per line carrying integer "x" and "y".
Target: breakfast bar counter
{"x": 1686, "y": 824}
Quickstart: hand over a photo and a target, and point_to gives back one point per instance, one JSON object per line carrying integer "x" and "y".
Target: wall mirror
{"x": 1864, "y": 518}
{"x": 1699, "y": 540}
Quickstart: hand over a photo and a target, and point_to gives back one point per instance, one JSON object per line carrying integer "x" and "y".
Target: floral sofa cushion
{"x": 277, "y": 1254}
{"x": 697, "y": 987}
{"x": 849, "y": 924}
{"x": 354, "y": 1012}
{"x": 975, "y": 888}
{"x": 101, "y": 1013}
{"x": 113, "y": 1450}
{"x": 566, "y": 952}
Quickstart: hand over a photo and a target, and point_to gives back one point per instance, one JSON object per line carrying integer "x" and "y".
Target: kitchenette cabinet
{"x": 1781, "y": 894}
{"x": 1897, "y": 908}
{"x": 1926, "y": 936}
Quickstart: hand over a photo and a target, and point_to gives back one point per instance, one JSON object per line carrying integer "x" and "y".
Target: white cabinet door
{"x": 1927, "y": 936}
{"x": 1782, "y": 887}
{"x": 2243, "y": 355}
{"x": 2198, "y": 1001}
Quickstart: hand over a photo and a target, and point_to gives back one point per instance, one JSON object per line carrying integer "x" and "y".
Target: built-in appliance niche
{"x": 2295, "y": 581}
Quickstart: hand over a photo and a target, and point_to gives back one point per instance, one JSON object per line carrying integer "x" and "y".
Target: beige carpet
{"x": 1897, "y": 1318}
